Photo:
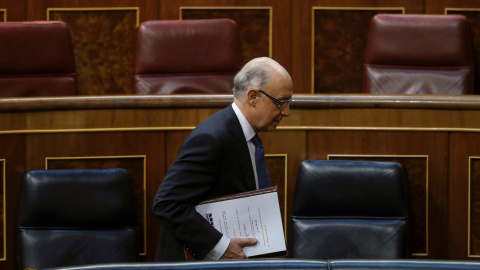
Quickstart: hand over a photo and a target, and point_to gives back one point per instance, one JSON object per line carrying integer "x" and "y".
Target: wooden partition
{"x": 436, "y": 138}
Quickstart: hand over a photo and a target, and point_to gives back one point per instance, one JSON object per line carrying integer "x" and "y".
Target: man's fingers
{"x": 244, "y": 242}
{"x": 234, "y": 250}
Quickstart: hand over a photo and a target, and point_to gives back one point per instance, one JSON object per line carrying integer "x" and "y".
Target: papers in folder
{"x": 253, "y": 214}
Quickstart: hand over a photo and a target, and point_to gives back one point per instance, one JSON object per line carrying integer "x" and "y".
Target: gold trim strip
{"x": 446, "y": 10}
{"x": 144, "y": 157}
{"x": 426, "y": 187}
{"x": 312, "y": 91}
{"x": 90, "y": 157}
{"x": 4, "y": 10}
{"x": 41, "y": 131}
{"x": 222, "y": 7}
{"x": 470, "y": 158}
{"x": 136, "y": 9}
{"x": 360, "y": 8}
{"x": 399, "y": 156}
{"x": 287, "y": 128}
{"x": 430, "y": 129}
{"x": 270, "y": 26}
{"x": 312, "y": 61}
{"x": 468, "y": 206}
{"x": 285, "y": 220}
{"x": 4, "y": 256}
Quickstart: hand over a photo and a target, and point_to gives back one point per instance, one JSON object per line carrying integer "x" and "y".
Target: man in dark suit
{"x": 218, "y": 158}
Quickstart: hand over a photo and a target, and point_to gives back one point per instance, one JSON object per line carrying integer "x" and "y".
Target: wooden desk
{"x": 436, "y": 138}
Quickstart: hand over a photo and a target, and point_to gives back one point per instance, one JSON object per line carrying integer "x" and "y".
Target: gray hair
{"x": 256, "y": 77}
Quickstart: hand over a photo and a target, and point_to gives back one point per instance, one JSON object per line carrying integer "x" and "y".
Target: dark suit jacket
{"x": 213, "y": 161}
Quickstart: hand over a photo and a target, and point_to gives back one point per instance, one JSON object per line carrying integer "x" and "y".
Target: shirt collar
{"x": 246, "y": 127}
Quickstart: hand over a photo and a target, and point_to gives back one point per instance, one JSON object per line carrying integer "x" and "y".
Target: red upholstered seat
{"x": 36, "y": 59}
{"x": 419, "y": 54}
{"x": 186, "y": 56}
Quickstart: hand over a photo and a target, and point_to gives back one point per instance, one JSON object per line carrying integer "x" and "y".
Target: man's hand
{"x": 235, "y": 248}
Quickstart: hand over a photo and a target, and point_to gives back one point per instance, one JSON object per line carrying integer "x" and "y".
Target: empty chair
{"x": 36, "y": 59}
{"x": 76, "y": 217}
{"x": 186, "y": 56}
{"x": 349, "y": 209}
{"x": 419, "y": 54}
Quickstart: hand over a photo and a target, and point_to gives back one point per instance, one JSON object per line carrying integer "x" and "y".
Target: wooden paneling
{"x": 13, "y": 153}
{"x": 277, "y": 170}
{"x": 474, "y": 208}
{"x": 320, "y": 42}
{"x": 103, "y": 37}
{"x": 265, "y": 25}
{"x": 463, "y": 195}
{"x": 339, "y": 40}
{"x": 3, "y": 207}
{"x": 254, "y": 26}
{"x": 292, "y": 144}
{"x": 175, "y": 140}
{"x": 37, "y": 9}
{"x": 433, "y": 137}
{"x": 439, "y": 6}
{"x": 103, "y": 41}
{"x": 12, "y": 10}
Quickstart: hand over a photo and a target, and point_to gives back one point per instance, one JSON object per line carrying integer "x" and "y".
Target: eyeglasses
{"x": 280, "y": 103}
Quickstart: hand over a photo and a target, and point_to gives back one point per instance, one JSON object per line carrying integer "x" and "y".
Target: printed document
{"x": 256, "y": 216}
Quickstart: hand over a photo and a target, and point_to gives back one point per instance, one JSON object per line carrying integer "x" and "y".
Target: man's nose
{"x": 286, "y": 111}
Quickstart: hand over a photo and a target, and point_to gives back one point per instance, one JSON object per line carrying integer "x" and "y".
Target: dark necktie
{"x": 260, "y": 163}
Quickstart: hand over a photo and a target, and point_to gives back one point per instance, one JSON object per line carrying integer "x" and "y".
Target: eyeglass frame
{"x": 280, "y": 103}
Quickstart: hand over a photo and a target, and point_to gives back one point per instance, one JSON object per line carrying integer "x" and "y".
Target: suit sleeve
{"x": 188, "y": 181}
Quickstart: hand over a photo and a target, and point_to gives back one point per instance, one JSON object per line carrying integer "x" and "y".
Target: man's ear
{"x": 252, "y": 95}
